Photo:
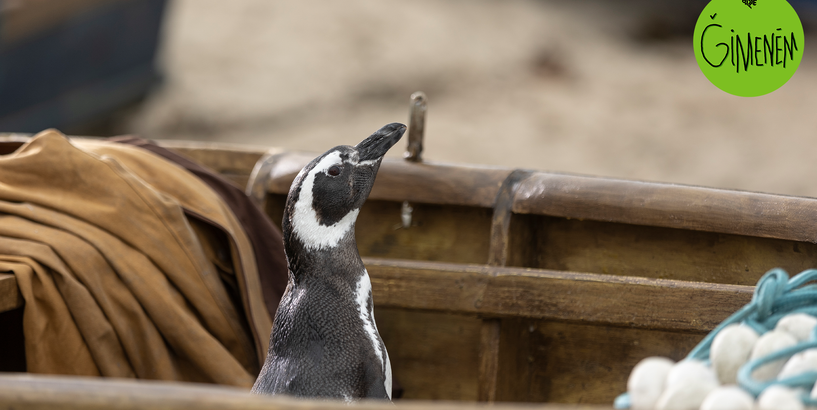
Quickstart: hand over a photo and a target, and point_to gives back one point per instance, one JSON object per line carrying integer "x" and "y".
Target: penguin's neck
{"x": 339, "y": 262}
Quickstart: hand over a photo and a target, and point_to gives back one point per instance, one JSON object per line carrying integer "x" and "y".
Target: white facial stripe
{"x": 364, "y": 292}
{"x": 327, "y": 161}
{"x": 355, "y": 159}
{"x": 305, "y": 220}
{"x": 370, "y": 162}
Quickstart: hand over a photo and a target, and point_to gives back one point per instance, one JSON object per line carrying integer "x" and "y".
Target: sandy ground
{"x": 564, "y": 86}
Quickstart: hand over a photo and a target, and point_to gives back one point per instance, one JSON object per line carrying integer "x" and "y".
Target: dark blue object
{"x": 87, "y": 66}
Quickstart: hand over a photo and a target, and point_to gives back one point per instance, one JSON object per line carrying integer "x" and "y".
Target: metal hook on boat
{"x": 417, "y": 125}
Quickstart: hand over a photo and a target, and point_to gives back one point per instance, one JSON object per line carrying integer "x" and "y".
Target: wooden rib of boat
{"x": 515, "y": 285}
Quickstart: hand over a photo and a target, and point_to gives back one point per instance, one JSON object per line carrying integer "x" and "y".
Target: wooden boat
{"x": 507, "y": 285}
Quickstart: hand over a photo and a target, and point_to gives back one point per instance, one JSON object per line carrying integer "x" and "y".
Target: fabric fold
{"x": 125, "y": 262}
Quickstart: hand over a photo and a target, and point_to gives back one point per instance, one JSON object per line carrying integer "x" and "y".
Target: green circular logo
{"x": 748, "y": 47}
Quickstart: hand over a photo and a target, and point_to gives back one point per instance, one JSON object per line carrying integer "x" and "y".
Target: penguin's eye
{"x": 334, "y": 170}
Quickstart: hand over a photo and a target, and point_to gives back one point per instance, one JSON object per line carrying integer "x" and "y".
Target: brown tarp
{"x": 267, "y": 242}
{"x": 129, "y": 265}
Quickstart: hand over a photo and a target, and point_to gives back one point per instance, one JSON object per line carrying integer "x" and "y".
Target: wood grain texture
{"x": 400, "y": 180}
{"x": 652, "y": 252}
{"x": 577, "y": 297}
{"x": 501, "y": 220}
{"x": 220, "y": 157}
{"x": 433, "y": 355}
{"x": 669, "y": 205}
{"x": 489, "y": 344}
{"x": 10, "y": 297}
{"x": 29, "y": 392}
{"x": 497, "y": 256}
{"x": 438, "y": 233}
{"x": 256, "y": 187}
{"x": 234, "y": 162}
{"x": 557, "y": 362}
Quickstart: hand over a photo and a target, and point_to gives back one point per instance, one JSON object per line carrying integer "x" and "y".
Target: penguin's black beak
{"x": 377, "y": 144}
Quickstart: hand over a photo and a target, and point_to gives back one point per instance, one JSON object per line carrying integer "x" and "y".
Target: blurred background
{"x": 607, "y": 88}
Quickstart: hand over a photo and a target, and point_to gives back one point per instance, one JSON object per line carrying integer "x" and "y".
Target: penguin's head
{"x": 327, "y": 194}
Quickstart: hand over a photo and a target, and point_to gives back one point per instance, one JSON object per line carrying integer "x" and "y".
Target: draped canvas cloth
{"x": 129, "y": 266}
{"x": 266, "y": 239}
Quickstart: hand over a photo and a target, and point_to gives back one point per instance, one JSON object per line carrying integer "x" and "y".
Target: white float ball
{"x": 688, "y": 384}
{"x": 769, "y": 343}
{"x": 686, "y": 395}
{"x": 802, "y": 362}
{"x": 728, "y": 398}
{"x": 691, "y": 370}
{"x": 779, "y": 397}
{"x": 647, "y": 381}
{"x": 730, "y": 349}
{"x": 798, "y": 325}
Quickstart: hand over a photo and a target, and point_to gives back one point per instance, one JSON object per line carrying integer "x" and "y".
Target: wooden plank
{"x": 545, "y": 361}
{"x": 574, "y": 245}
{"x": 434, "y": 356}
{"x": 400, "y": 180}
{"x": 10, "y": 297}
{"x": 223, "y": 158}
{"x": 577, "y": 297}
{"x": 29, "y": 392}
{"x": 501, "y": 221}
{"x": 497, "y": 256}
{"x": 438, "y": 233}
{"x": 489, "y": 343}
{"x": 669, "y": 205}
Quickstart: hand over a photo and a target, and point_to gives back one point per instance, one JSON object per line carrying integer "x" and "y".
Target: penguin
{"x": 324, "y": 341}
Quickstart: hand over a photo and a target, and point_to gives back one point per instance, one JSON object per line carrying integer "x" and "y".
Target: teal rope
{"x": 775, "y": 297}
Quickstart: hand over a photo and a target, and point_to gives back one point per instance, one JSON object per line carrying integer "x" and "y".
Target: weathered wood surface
{"x": 501, "y": 220}
{"x": 30, "y": 392}
{"x": 669, "y": 205}
{"x": 10, "y": 297}
{"x": 438, "y": 233}
{"x": 585, "y": 197}
{"x": 529, "y": 293}
{"x": 234, "y": 162}
{"x": 433, "y": 355}
{"x": 491, "y": 329}
{"x": 489, "y": 344}
{"x": 556, "y": 243}
{"x": 558, "y": 362}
